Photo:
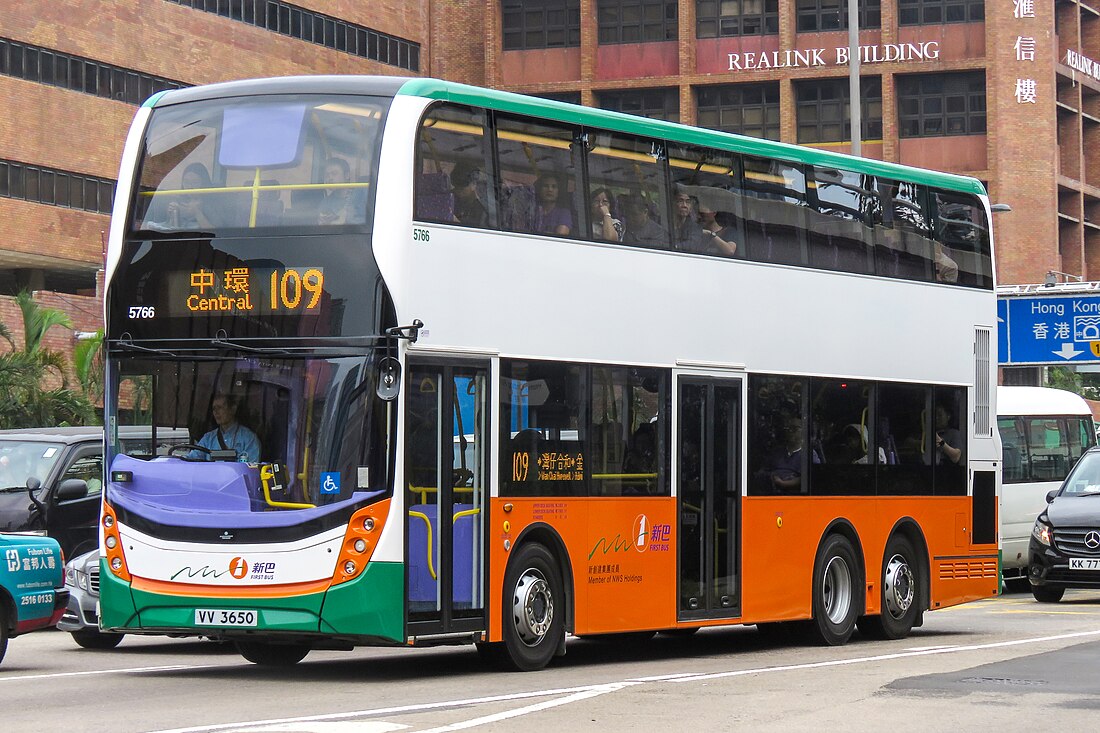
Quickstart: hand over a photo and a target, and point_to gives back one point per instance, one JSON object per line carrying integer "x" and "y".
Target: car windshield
{"x": 21, "y": 460}
{"x": 1085, "y": 479}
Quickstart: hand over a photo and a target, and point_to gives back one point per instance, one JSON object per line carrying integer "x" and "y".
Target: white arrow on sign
{"x": 1067, "y": 352}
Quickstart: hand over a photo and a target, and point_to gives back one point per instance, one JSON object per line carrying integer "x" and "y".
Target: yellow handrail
{"x": 267, "y": 474}
{"x": 428, "y": 522}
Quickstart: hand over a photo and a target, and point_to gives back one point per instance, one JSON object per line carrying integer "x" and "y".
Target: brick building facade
{"x": 1004, "y": 90}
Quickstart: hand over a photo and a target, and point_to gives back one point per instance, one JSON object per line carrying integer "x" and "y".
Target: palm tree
{"x": 28, "y": 375}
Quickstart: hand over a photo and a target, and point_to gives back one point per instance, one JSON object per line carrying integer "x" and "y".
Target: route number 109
{"x": 289, "y": 286}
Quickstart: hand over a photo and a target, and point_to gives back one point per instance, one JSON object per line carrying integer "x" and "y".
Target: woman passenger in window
{"x": 550, "y": 216}
{"x": 605, "y": 228}
{"x": 194, "y": 211}
{"x": 719, "y": 239}
{"x": 337, "y": 204}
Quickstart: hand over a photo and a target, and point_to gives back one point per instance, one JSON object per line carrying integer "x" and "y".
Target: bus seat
{"x": 434, "y": 199}
{"x": 517, "y": 207}
{"x": 465, "y": 519}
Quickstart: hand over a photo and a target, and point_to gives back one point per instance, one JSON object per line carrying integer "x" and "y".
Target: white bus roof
{"x": 1039, "y": 401}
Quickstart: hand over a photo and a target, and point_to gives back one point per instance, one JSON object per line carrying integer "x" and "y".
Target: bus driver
{"x": 229, "y": 434}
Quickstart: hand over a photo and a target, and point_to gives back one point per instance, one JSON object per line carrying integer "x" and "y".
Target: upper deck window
{"x": 247, "y": 163}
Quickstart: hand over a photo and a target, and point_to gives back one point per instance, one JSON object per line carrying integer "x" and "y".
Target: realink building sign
{"x": 1084, "y": 64}
{"x": 809, "y": 58}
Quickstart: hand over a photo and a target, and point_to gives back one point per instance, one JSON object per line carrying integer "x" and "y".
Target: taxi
{"x": 32, "y": 592}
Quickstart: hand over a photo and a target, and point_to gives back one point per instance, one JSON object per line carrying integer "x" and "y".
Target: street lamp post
{"x": 853, "y": 76}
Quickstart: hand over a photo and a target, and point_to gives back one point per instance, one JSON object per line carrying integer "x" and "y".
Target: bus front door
{"x": 446, "y": 486}
{"x": 708, "y": 458}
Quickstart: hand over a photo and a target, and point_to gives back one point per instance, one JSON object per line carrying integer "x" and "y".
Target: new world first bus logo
{"x": 238, "y": 567}
{"x": 643, "y": 536}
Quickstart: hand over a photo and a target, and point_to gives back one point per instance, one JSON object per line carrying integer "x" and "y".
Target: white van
{"x": 1043, "y": 433}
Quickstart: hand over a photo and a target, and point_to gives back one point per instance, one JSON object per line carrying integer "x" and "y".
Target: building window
{"x": 541, "y": 24}
{"x": 55, "y": 187}
{"x": 567, "y": 97}
{"x": 747, "y": 109}
{"x": 636, "y": 21}
{"x": 832, "y": 15}
{"x": 312, "y": 27}
{"x": 933, "y": 105}
{"x": 45, "y": 66}
{"x": 659, "y": 104}
{"x": 721, "y": 18}
{"x": 935, "y": 12}
{"x": 824, "y": 115}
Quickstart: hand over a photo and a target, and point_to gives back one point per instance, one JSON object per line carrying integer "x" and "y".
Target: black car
{"x": 1064, "y": 551}
{"x": 51, "y": 479}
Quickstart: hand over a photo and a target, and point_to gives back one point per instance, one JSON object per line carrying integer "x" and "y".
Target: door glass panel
{"x": 692, "y": 525}
{"x": 423, "y": 471}
{"x": 726, "y": 494}
{"x": 469, "y": 479}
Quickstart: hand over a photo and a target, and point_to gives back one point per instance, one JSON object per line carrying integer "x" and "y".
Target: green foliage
{"x": 26, "y": 375}
{"x": 1086, "y": 384}
{"x": 88, "y": 365}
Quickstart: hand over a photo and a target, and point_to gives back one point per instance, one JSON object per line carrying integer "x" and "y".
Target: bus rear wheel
{"x": 534, "y": 609}
{"x": 272, "y": 655}
{"x": 836, "y": 582}
{"x": 899, "y": 600}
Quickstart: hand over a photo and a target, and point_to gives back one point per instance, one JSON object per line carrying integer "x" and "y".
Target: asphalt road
{"x": 1005, "y": 664}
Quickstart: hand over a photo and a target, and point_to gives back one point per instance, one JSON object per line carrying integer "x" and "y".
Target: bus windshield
{"x": 259, "y": 163}
{"x": 266, "y": 434}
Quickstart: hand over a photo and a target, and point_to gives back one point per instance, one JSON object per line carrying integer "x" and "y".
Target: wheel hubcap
{"x": 532, "y": 607}
{"x": 899, "y": 590}
{"x": 836, "y": 590}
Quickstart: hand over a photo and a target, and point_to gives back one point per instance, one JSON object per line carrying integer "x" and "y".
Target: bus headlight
{"x": 1042, "y": 532}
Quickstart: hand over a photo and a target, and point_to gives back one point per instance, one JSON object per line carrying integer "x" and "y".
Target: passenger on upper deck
{"x": 718, "y": 239}
{"x": 338, "y": 204}
{"x": 640, "y": 229}
{"x": 687, "y": 235}
{"x": 605, "y": 227}
{"x": 551, "y": 217}
{"x": 469, "y": 209}
{"x": 194, "y": 211}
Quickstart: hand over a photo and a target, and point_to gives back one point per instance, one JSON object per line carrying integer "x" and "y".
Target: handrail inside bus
{"x": 267, "y": 475}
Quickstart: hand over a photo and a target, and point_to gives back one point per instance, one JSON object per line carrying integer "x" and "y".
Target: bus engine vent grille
{"x": 968, "y": 569}
{"x": 983, "y": 390}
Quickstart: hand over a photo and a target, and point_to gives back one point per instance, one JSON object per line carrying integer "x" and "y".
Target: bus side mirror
{"x": 389, "y": 379}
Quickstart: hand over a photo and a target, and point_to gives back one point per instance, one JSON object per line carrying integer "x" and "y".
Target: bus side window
{"x": 962, "y": 240}
{"x": 775, "y": 211}
{"x": 533, "y": 152}
{"x": 454, "y": 169}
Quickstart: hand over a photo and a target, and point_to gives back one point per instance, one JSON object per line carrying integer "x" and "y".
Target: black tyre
{"x": 899, "y": 593}
{"x": 3, "y": 630}
{"x": 534, "y": 609}
{"x": 836, "y": 585}
{"x": 1047, "y": 593}
{"x": 272, "y": 655}
{"x": 94, "y": 639}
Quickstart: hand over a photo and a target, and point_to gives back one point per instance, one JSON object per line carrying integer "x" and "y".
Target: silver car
{"x": 81, "y": 618}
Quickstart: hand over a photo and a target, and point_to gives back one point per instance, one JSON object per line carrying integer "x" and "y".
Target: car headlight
{"x": 81, "y": 579}
{"x": 70, "y": 576}
{"x": 1042, "y": 532}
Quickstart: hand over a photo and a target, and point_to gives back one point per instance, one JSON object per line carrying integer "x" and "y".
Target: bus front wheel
{"x": 272, "y": 655}
{"x": 900, "y": 588}
{"x": 836, "y": 582}
{"x": 534, "y": 609}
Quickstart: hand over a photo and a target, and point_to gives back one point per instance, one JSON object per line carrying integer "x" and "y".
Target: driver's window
{"x": 88, "y": 468}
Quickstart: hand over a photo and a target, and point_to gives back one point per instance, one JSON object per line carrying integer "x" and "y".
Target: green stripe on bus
{"x": 616, "y": 121}
{"x": 371, "y": 605}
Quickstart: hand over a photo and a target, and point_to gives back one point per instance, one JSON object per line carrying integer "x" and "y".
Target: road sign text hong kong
{"x": 1049, "y": 330}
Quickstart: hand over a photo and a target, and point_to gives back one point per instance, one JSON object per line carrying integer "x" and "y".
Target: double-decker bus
{"x": 510, "y": 370}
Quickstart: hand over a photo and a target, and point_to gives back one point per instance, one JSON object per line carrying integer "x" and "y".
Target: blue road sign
{"x": 1055, "y": 329}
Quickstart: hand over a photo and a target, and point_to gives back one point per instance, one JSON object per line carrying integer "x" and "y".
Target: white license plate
{"x": 1084, "y": 563}
{"x": 224, "y": 617}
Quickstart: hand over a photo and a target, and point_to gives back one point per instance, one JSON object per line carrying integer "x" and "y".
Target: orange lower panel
{"x": 624, "y": 554}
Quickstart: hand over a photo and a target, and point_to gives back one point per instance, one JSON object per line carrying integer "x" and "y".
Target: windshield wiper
{"x": 127, "y": 345}
{"x": 7, "y": 489}
{"x": 222, "y": 342}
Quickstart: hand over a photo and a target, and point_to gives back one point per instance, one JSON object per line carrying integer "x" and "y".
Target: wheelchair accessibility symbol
{"x": 330, "y": 482}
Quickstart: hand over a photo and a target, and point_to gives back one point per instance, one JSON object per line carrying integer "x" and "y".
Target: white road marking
{"x": 546, "y": 705}
{"x": 359, "y": 726}
{"x": 130, "y": 670}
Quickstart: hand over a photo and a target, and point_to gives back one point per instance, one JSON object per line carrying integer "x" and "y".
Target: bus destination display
{"x": 246, "y": 291}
